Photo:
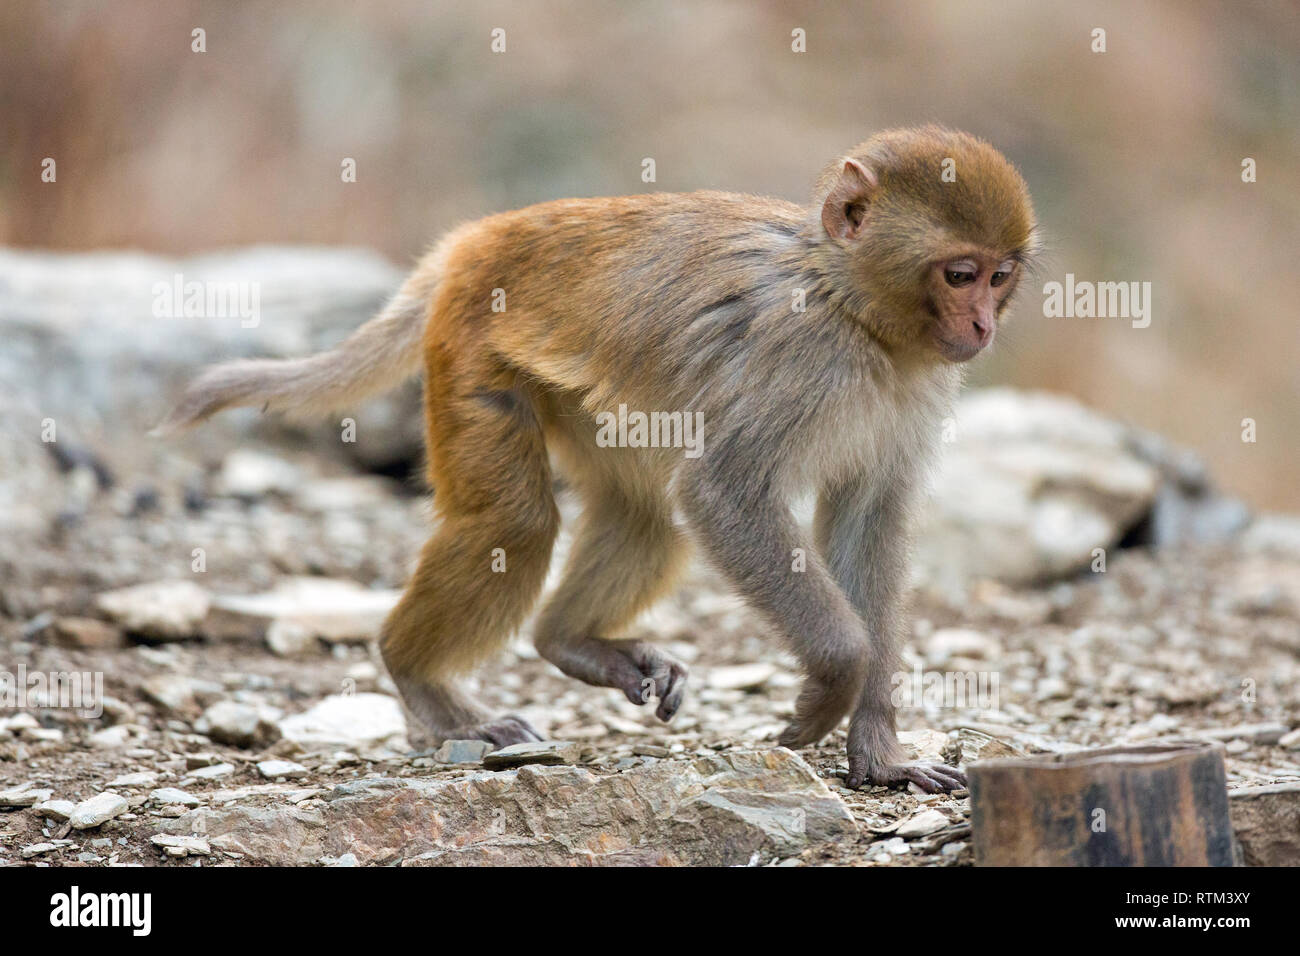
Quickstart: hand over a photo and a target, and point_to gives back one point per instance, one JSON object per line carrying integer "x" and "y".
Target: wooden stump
{"x": 1157, "y": 805}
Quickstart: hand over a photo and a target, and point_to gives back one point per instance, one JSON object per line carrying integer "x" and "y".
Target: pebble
{"x": 533, "y": 752}
{"x": 922, "y": 824}
{"x": 24, "y": 795}
{"x": 97, "y": 810}
{"x": 60, "y": 810}
{"x": 36, "y": 849}
{"x": 276, "y": 769}
{"x": 142, "y": 779}
{"x": 462, "y": 751}
{"x": 213, "y": 772}
{"x": 172, "y": 796}
{"x": 740, "y": 676}
{"x": 175, "y": 845}
{"x": 160, "y": 610}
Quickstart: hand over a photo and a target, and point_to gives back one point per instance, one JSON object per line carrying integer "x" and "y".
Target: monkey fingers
{"x": 932, "y": 778}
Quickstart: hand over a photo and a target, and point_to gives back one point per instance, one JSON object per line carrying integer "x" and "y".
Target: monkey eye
{"x": 1002, "y": 275}
{"x": 958, "y": 277}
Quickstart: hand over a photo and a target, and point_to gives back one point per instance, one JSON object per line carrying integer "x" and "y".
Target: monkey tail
{"x": 376, "y": 357}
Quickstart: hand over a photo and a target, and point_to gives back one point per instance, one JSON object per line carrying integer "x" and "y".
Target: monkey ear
{"x": 845, "y": 211}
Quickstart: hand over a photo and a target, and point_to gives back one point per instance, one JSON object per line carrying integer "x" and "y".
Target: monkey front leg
{"x": 752, "y": 538}
{"x": 862, "y": 531}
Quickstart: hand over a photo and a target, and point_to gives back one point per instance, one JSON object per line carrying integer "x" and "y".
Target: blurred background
{"x": 1133, "y": 156}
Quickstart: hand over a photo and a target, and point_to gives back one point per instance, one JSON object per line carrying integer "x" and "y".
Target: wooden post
{"x": 1156, "y": 805}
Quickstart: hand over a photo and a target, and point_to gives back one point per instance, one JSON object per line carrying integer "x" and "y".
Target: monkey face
{"x": 966, "y": 297}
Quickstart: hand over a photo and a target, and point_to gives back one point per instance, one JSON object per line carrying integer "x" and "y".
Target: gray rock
{"x": 38, "y": 849}
{"x": 24, "y": 795}
{"x": 60, "y": 810}
{"x": 178, "y": 845}
{"x": 1266, "y": 823}
{"x": 275, "y": 769}
{"x": 1255, "y": 733}
{"x": 740, "y": 676}
{"x": 213, "y": 772}
{"x": 1030, "y": 485}
{"x": 715, "y": 810}
{"x": 348, "y": 720}
{"x": 238, "y": 724}
{"x": 533, "y": 752}
{"x": 332, "y": 609}
{"x": 161, "y": 610}
{"x": 462, "y": 751}
{"x": 97, "y": 810}
{"x": 922, "y": 824}
{"x": 165, "y": 796}
{"x": 144, "y": 778}
{"x": 96, "y": 313}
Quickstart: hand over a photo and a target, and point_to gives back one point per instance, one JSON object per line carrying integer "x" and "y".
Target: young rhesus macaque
{"x": 821, "y": 345}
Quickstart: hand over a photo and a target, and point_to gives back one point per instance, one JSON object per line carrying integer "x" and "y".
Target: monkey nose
{"x": 983, "y": 330}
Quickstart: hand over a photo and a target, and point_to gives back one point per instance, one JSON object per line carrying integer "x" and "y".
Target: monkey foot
{"x": 502, "y": 732}
{"x": 640, "y": 670}
{"x": 932, "y": 777}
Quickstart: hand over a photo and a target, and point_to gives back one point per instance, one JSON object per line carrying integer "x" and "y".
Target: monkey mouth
{"x": 958, "y": 351}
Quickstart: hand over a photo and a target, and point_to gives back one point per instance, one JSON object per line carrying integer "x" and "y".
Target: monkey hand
{"x": 932, "y": 778}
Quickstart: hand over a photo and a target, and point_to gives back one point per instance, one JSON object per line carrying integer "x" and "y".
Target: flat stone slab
{"x": 717, "y": 810}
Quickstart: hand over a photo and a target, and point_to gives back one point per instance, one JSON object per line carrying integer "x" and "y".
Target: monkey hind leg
{"x": 442, "y": 711}
{"x": 483, "y": 569}
{"x": 625, "y": 555}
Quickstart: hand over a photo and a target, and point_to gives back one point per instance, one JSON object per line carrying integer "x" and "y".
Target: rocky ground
{"x": 226, "y": 589}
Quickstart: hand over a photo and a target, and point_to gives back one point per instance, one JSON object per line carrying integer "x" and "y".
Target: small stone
{"x": 214, "y": 772}
{"x": 110, "y": 738}
{"x": 36, "y": 849}
{"x": 60, "y": 810}
{"x": 253, "y": 474}
{"x": 348, "y": 720}
{"x": 97, "y": 810}
{"x": 176, "y": 845}
{"x": 23, "y": 796}
{"x": 287, "y": 637}
{"x": 176, "y": 694}
{"x": 1290, "y": 741}
{"x": 1255, "y": 733}
{"x": 142, "y": 779}
{"x": 194, "y": 761}
{"x": 275, "y": 769}
{"x": 922, "y": 824}
{"x": 530, "y": 752}
{"x": 18, "y": 723}
{"x": 949, "y": 642}
{"x": 650, "y": 750}
{"x": 85, "y": 633}
{"x": 741, "y": 676}
{"x": 240, "y": 725}
{"x": 172, "y": 796}
{"x": 462, "y": 751}
{"x": 160, "y": 610}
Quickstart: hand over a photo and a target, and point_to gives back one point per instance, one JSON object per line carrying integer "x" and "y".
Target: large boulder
{"x": 97, "y": 342}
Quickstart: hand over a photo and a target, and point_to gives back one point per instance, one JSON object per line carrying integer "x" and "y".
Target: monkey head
{"x": 931, "y": 230}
